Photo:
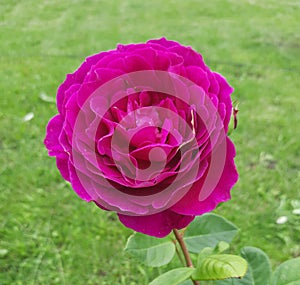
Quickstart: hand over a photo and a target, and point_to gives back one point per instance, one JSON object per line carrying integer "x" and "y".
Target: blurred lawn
{"x": 48, "y": 235}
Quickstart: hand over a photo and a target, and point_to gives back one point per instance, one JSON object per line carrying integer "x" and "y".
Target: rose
{"x": 142, "y": 130}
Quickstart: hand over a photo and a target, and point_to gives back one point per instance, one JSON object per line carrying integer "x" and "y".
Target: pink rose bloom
{"x": 142, "y": 131}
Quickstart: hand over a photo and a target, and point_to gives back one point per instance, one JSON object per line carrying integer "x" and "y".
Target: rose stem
{"x": 186, "y": 254}
{"x": 179, "y": 254}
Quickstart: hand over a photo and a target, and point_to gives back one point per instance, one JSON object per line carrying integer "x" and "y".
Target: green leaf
{"x": 207, "y": 231}
{"x": 205, "y": 252}
{"x": 259, "y": 269}
{"x": 221, "y": 247}
{"x": 287, "y": 273}
{"x": 187, "y": 282}
{"x": 259, "y": 265}
{"x": 149, "y": 250}
{"x": 246, "y": 280}
{"x": 220, "y": 266}
{"x": 173, "y": 277}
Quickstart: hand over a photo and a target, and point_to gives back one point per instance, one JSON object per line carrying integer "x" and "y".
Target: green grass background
{"x": 47, "y": 234}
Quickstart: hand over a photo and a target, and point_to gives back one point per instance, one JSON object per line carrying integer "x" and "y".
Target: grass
{"x": 47, "y": 234}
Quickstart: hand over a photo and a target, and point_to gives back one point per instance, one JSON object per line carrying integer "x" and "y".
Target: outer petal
{"x": 158, "y": 225}
{"x": 62, "y": 165}
{"x": 77, "y": 185}
{"x": 224, "y": 95}
{"x": 164, "y": 42}
{"x": 191, "y": 58}
{"x": 53, "y": 131}
{"x": 190, "y": 205}
{"x": 76, "y": 77}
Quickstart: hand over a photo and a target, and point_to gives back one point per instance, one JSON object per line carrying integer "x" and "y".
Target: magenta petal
{"x": 135, "y": 63}
{"x": 190, "y": 204}
{"x": 157, "y": 225}
{"x": 72, "y": 110}
{"x": 191, "y": 58}
{"x": 145, "y": 136}
{"x": 224, "y": 94}
{"x": 130, "y": 48}
{"x": 157, "y": 60}
{"x": 83, "y": 70}
{"x": 225, "y": 88}
{"x": 214, "y": 85}
{"x": 100, "y": 206}
{"x": 62, "y": 164}
{"x": 77, "y": 185}
{"x": 76, "y": 77}
{"x": 51, "y": 141}
{"x": 60, "y": 97}
{"x": 164, "y": 42}
{"x": 199, "y": 76}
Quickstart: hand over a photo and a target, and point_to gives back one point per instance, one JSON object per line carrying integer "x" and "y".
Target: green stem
{"x": 187, "y": 257}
